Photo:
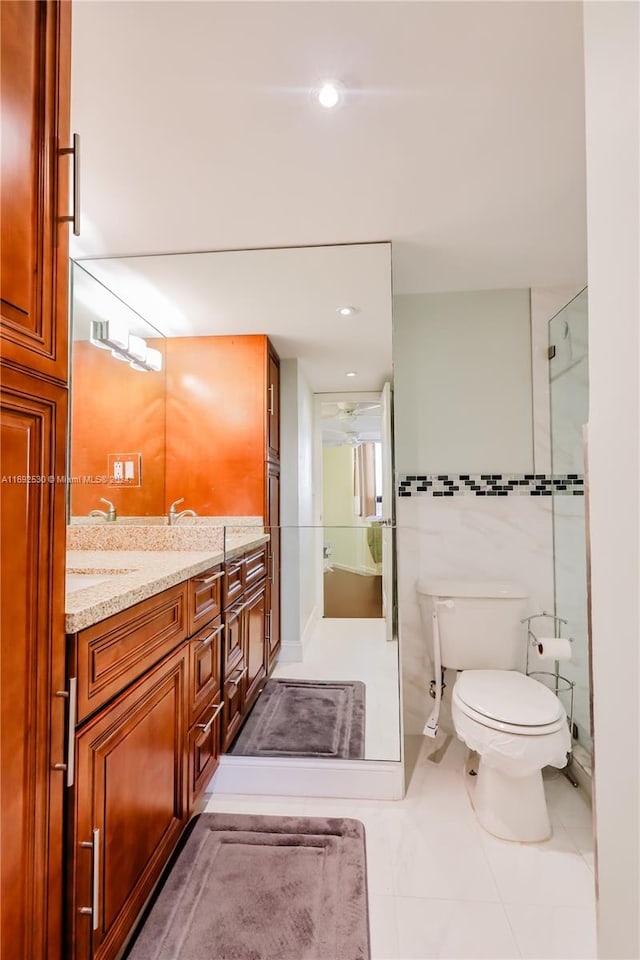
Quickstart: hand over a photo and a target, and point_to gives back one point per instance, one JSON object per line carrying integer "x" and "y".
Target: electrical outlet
{"x": 124, "y": 469}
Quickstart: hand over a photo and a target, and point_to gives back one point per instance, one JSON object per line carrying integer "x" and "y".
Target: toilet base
{"x": 511, "y": 808}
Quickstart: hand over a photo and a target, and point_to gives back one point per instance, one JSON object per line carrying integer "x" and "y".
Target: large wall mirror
{"x": 184, "y": 431}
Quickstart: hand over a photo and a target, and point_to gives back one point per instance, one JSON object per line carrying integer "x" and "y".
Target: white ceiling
{"x": 461, "y": 138}
{"x": 293, "y": 295}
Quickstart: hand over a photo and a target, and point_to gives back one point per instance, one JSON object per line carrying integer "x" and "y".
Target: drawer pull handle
{"x": 205, "y": 581}
{"x": 235, "y": 681}
{"x": 235, "y": 610}
{"x": 94, "y": 846}
{"x": 205, "y": 727}
{"x": 70, "y": 696}
{"x": 214, "y": 633}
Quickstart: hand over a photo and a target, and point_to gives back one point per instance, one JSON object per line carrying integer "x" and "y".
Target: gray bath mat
{"x": 305, "y": 718}
{"x": 262, "y": 888}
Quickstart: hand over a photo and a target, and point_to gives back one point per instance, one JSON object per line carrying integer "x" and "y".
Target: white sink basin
{"x": 79, "y": 579}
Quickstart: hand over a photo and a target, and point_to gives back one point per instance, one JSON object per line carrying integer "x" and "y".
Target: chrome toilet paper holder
{"x": 560, "y": 684}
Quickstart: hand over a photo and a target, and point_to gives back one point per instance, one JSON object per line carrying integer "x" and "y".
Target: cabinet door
{"x": 273, "y": 529}
{"x": 273, "y": 405}
{"x": 130, "y": 806}
{"x": 204, "y": 668}
{"x": 204, "y": 749}
{"x": 35, "y": 60}
{"x": 233, "y": 696}
{"x": 233, "y": 634}
{"x": 32, "y": 518}
{"x": 255, "y": 616}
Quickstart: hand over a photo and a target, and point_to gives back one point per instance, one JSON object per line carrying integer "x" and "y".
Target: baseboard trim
{"x": 294, "y": 652}
{"x": 307, "y": 777}
{"x": 361, "y": 571}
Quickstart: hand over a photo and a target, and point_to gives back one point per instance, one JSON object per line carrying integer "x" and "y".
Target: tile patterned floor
{"x": 357, "y": 650}
{"x": 440, "y": 887}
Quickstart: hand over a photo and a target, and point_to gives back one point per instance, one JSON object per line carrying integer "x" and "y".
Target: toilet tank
{"x": 479, "y": 622}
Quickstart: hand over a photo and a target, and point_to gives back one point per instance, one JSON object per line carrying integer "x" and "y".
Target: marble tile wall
{"x": 464, "y": 537}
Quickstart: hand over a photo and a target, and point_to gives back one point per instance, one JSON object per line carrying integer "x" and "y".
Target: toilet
{"x": 514, "y": 723}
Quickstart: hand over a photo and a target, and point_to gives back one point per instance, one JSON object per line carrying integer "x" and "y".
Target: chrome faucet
{"x": 107, "y": 515}
{"x": 174, "y": 517}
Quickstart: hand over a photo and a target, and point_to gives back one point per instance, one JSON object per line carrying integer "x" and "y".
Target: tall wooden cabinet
{"x": 223, "y": 439}
{"x": 34, "y": 110}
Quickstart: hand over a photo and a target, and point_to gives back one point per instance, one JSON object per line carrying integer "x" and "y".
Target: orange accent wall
{"x": 115, "y": 409}
{"x": 216, "y": 389}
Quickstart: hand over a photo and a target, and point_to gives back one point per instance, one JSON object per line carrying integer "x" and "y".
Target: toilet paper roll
{"x": 552, "y": 648}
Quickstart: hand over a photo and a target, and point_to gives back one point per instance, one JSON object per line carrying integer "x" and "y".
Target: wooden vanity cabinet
{"x": 245, "y": 654}
{"x": 147, "y": 742}
{"x": 130, "y": 806}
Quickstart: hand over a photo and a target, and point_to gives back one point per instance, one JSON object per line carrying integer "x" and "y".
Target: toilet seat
{"x": 509, "y": 701}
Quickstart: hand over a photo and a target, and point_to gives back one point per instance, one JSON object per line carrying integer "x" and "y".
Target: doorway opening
{"x": 353, "y": 499}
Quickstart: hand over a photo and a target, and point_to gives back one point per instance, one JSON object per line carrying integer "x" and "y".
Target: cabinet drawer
{"x": 255, "y": 566}
{"x": 116, "y": 651}
{"x": 204, "y": 667}
{"x": 233, "y": 636}
{"x": 205, "y": 598}
{"x": 233, "y": 697}
{"x": 204, "y": 748}
{"x": 233, "y": 580}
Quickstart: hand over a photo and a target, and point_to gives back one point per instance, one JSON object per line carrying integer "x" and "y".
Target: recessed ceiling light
{"x": 352, "y": 373}
{"x": 329, "y": 94}
{"x": 347, "y": 311}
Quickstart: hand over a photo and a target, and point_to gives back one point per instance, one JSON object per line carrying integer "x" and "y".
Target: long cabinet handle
{"x": 205, "y": 581}
{"x": 237, "y": 680}
{"x": 214, "y": 633}
{"x": 236, "y": 609}
{"x": 271, "y": 399}
{"x": 205, "y": 727}
{"x": 94, "y": 846}
{"x": 75, "y": 216}
{"x": 70, "y": 696}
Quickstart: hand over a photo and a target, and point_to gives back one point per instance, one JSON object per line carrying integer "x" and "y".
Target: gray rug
{"x": 305, "y": 718}
{"x": 262, "y": 888}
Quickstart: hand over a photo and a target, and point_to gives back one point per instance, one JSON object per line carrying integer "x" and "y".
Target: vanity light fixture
{"x": 152, "y": 361}
{"x": 348, "y": 311}
{"x": 109, "y": 334}
{"x": 352, "y": 373}
{"x": 137, "y": 349}
{"x": 329, "y": 93}
{"x": 113, "y": 335}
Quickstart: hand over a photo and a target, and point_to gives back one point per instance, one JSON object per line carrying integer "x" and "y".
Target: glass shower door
{"x": 569, "y": 392}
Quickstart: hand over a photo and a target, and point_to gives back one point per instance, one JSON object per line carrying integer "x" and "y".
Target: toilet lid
{"x": 509, "y": 697}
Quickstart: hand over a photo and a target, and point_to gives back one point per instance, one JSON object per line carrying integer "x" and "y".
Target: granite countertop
{"x": 103, "y": 582}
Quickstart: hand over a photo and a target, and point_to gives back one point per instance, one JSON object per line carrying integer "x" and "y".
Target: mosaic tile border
{"x": 491, "y": 485}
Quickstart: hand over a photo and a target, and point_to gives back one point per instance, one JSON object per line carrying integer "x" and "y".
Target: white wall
{"x": 612, "y": 81}
{"x": 463, "y": 402}
{"x": 300, "y": 557}
{"x": 467, "y": 536}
